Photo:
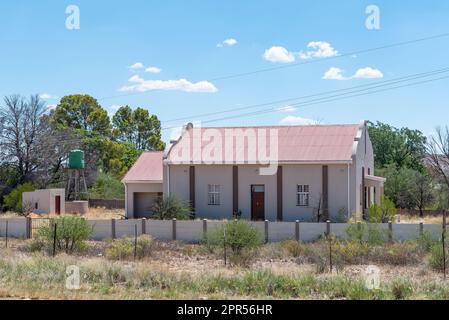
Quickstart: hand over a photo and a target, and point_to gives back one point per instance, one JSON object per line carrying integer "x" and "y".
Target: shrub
{"x": 396, "y": 254}
{"x": 293, "y": 247}
{"x": 355, "y": 232}
{"x": 401, "y": 289}
{"x": 237, "y": 235}
{"x": 121, "y": 249}
{"x": 425, "y": 241}
{"x": 107, "y": 186}
{"x": 71, "y": 234}
{"x": 365, "y": 233}
{"x": 383, "y": 212}
{"x": 436, "y": 258}
{"x": 13, "y": 200}
{"x": 170, "y": 208}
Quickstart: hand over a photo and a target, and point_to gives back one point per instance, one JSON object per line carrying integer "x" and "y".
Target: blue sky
{"x": 184, "y": 40}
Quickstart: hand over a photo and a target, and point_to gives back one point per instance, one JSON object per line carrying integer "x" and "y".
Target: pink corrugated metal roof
{"x": 308, "y": 143}
{"x": 147, "y": 168}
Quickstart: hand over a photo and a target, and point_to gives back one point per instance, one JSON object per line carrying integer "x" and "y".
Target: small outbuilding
{"x": 45, "y": 201}
{"x": 143, "y": 185}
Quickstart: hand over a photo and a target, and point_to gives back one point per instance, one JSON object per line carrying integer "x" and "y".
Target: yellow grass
{"x": 425, "y": 220}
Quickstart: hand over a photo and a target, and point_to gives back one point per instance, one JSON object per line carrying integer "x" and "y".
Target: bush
{"x": 372, "y": 236}
{"x": 436, "y": 258}
{"x": 121, "y": 249}
{"x": 170, "y": 208}
{"x": 401, "y": 289}
{"x": 13, "y": 200}
{"x": 293, "y": 247}
{"x": 71, "y": 234}
{"x": 107, "y": 186}
{"x": 382, "y": 213}
{"x": 425, "y": 241}
{"x": 237, "y": 235}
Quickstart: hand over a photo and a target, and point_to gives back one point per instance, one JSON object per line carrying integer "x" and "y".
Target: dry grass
{"x": 187, "y": 271}
{"x": 436, "y": 219}
{"x": 94, "y": 213}
{"x": 103, "y": 213}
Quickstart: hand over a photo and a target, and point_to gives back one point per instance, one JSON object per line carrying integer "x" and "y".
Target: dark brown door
{"x": 58, "y": 205}
{"x": 258, "y": 202}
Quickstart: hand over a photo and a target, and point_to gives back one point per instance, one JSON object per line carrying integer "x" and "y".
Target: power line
{"x": 362, "y": 51}
{"x": 374, "y": 84}
{"x": 319, "y": 101}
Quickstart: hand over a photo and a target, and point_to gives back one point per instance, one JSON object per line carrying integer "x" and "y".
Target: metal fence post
{"x": 54, "y": 238}
{"x": 328, "y": 228}
{"x": 174, "y": 229}
{"x": 144, "y": 226}
{"x": 443, "y": 243}
{"x": 135, "y": 241}
{"x": 113, "y": 229}
{"x": 6, "y": 234}
{"x": 266, "y": 231}
{"x": 297, "y": 230}
{"x": 421, "y": 228}
{"x": 28, "y": 228}
{"x": 204, "y": 227}
{"x": 390, "y": 231}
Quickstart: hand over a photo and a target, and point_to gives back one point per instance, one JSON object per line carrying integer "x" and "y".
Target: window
{"x": 214, "y": 194}
{"x": 302, "y": 195}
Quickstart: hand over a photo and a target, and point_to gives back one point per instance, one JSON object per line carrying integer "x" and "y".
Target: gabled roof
{"x": 147, "y": 168}
{"x": 305, "y": 143}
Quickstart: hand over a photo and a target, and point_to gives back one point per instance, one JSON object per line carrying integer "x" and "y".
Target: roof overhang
{"x": 141, "y": 181}
{"x": 324, "y": 162}
{"x": 374, "y": 181}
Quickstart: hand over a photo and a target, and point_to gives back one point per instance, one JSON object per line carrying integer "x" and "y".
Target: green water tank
{"x": 76, "y": 159}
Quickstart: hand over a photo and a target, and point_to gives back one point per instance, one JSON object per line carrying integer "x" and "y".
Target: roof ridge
{"x": 286, "y": 126}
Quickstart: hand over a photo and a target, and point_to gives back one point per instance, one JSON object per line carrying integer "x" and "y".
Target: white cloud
{"x": 136, "y": 79}
{"x": 368, "y": 73}
{"x": 278, "y": 54}
{"x": 175, "y": 133}
{"x": 293, "y": 120}
{"x": 142, "y": 85}
{"x": 286, "y": 109}
{"x": 153, "y": 70}
{"x": 334, "y": 74}
{"x": 363, "y": 73}
{"x": 51, "y": 107}
{"x": 115, "y": 107}
{"x": 320, "y": 49}
{"x": 47, "y": 96}
{"x": 316, "y": 49}
{"x": 136, "y": 66}
{"x": 227, "y": 42}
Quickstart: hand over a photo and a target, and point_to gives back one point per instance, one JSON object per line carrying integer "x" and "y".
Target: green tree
{"x": 383, "y": 212}
{"x": 13, "y": 200}
{"x": 403, "y": 147}
{"x": 138, "y": 127}
{"x": 82, "y": 112}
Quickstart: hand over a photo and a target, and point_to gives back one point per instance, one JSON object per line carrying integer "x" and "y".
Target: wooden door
{"x": 258, "y": 202}
{"x": 58, "y": 205}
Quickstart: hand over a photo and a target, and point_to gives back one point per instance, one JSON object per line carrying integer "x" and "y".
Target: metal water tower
{"x": 76, "y": 182}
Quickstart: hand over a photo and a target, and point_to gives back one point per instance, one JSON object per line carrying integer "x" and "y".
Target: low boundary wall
{"x": 193, "y": 231}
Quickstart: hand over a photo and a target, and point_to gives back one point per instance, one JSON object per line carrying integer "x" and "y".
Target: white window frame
{"x": 213, "y": 194}
{"x": 302, "y": 195}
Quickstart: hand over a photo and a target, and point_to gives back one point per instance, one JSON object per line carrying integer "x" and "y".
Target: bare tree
{"x": 19, "y": 122}
{"x": 31, "y": 143}
{"x": 423, "y": 193}
{"x": 438, "y": 154}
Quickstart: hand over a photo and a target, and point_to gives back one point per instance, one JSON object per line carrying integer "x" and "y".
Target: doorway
{"x": 58, "y": 205}
{"x": 257, "y": 202}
